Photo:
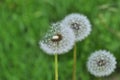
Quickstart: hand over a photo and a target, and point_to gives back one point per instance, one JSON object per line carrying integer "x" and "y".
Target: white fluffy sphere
{"x": 101, "y": 63}
{"x": 79, "y": 24}
{"x": 58, "y": 40}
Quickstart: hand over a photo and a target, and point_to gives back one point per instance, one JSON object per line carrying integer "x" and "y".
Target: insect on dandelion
{"x": 58, "y": 40}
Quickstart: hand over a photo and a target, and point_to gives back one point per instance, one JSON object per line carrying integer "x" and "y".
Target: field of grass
{"x": 24, "y": 22}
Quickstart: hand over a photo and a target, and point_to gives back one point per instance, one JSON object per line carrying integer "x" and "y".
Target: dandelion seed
{"x": 58, "y": 40}
{"x": 80, "y": 25}
{"x": 101, "y": 63}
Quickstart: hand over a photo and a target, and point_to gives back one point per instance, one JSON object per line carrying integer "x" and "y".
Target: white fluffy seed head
{"x": 80, "y": 25}
{"x": 58, "y": 40}
{"x": 101, "y": 63}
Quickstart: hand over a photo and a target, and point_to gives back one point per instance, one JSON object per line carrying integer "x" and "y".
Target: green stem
{"x": 74, "y": 63}
{"x": 56, "y": 67}
{"x": 100, "y": 78}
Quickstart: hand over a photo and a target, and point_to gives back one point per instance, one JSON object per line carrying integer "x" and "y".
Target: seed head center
{"x": 101, "y": 63}
{"x": 76, "y": 26}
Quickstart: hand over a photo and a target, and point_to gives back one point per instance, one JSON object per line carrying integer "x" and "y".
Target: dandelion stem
{"x": 56, "y": 67}
{"x": 100, "y": 78}
{"x": 74, "y": 63}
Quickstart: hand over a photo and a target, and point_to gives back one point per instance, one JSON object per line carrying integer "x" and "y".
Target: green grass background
{"x": 24, "y": 22}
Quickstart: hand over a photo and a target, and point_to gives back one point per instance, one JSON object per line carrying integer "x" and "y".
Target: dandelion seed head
{"x": 58, "y": 40}
{"x": 80, "y": 25}
{"x": 101, "y": 63}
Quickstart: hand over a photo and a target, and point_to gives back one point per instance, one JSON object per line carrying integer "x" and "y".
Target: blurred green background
{"x": 24, "y": 22}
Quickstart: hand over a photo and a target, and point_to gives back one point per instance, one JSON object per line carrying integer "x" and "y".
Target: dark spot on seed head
{"x": 59, "y": 38}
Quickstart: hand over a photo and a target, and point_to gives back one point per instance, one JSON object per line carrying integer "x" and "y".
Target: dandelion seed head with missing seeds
{"x": 80, "y": 25}
{"x": 58, "y": 40}
{"x": 101, "y": 63}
